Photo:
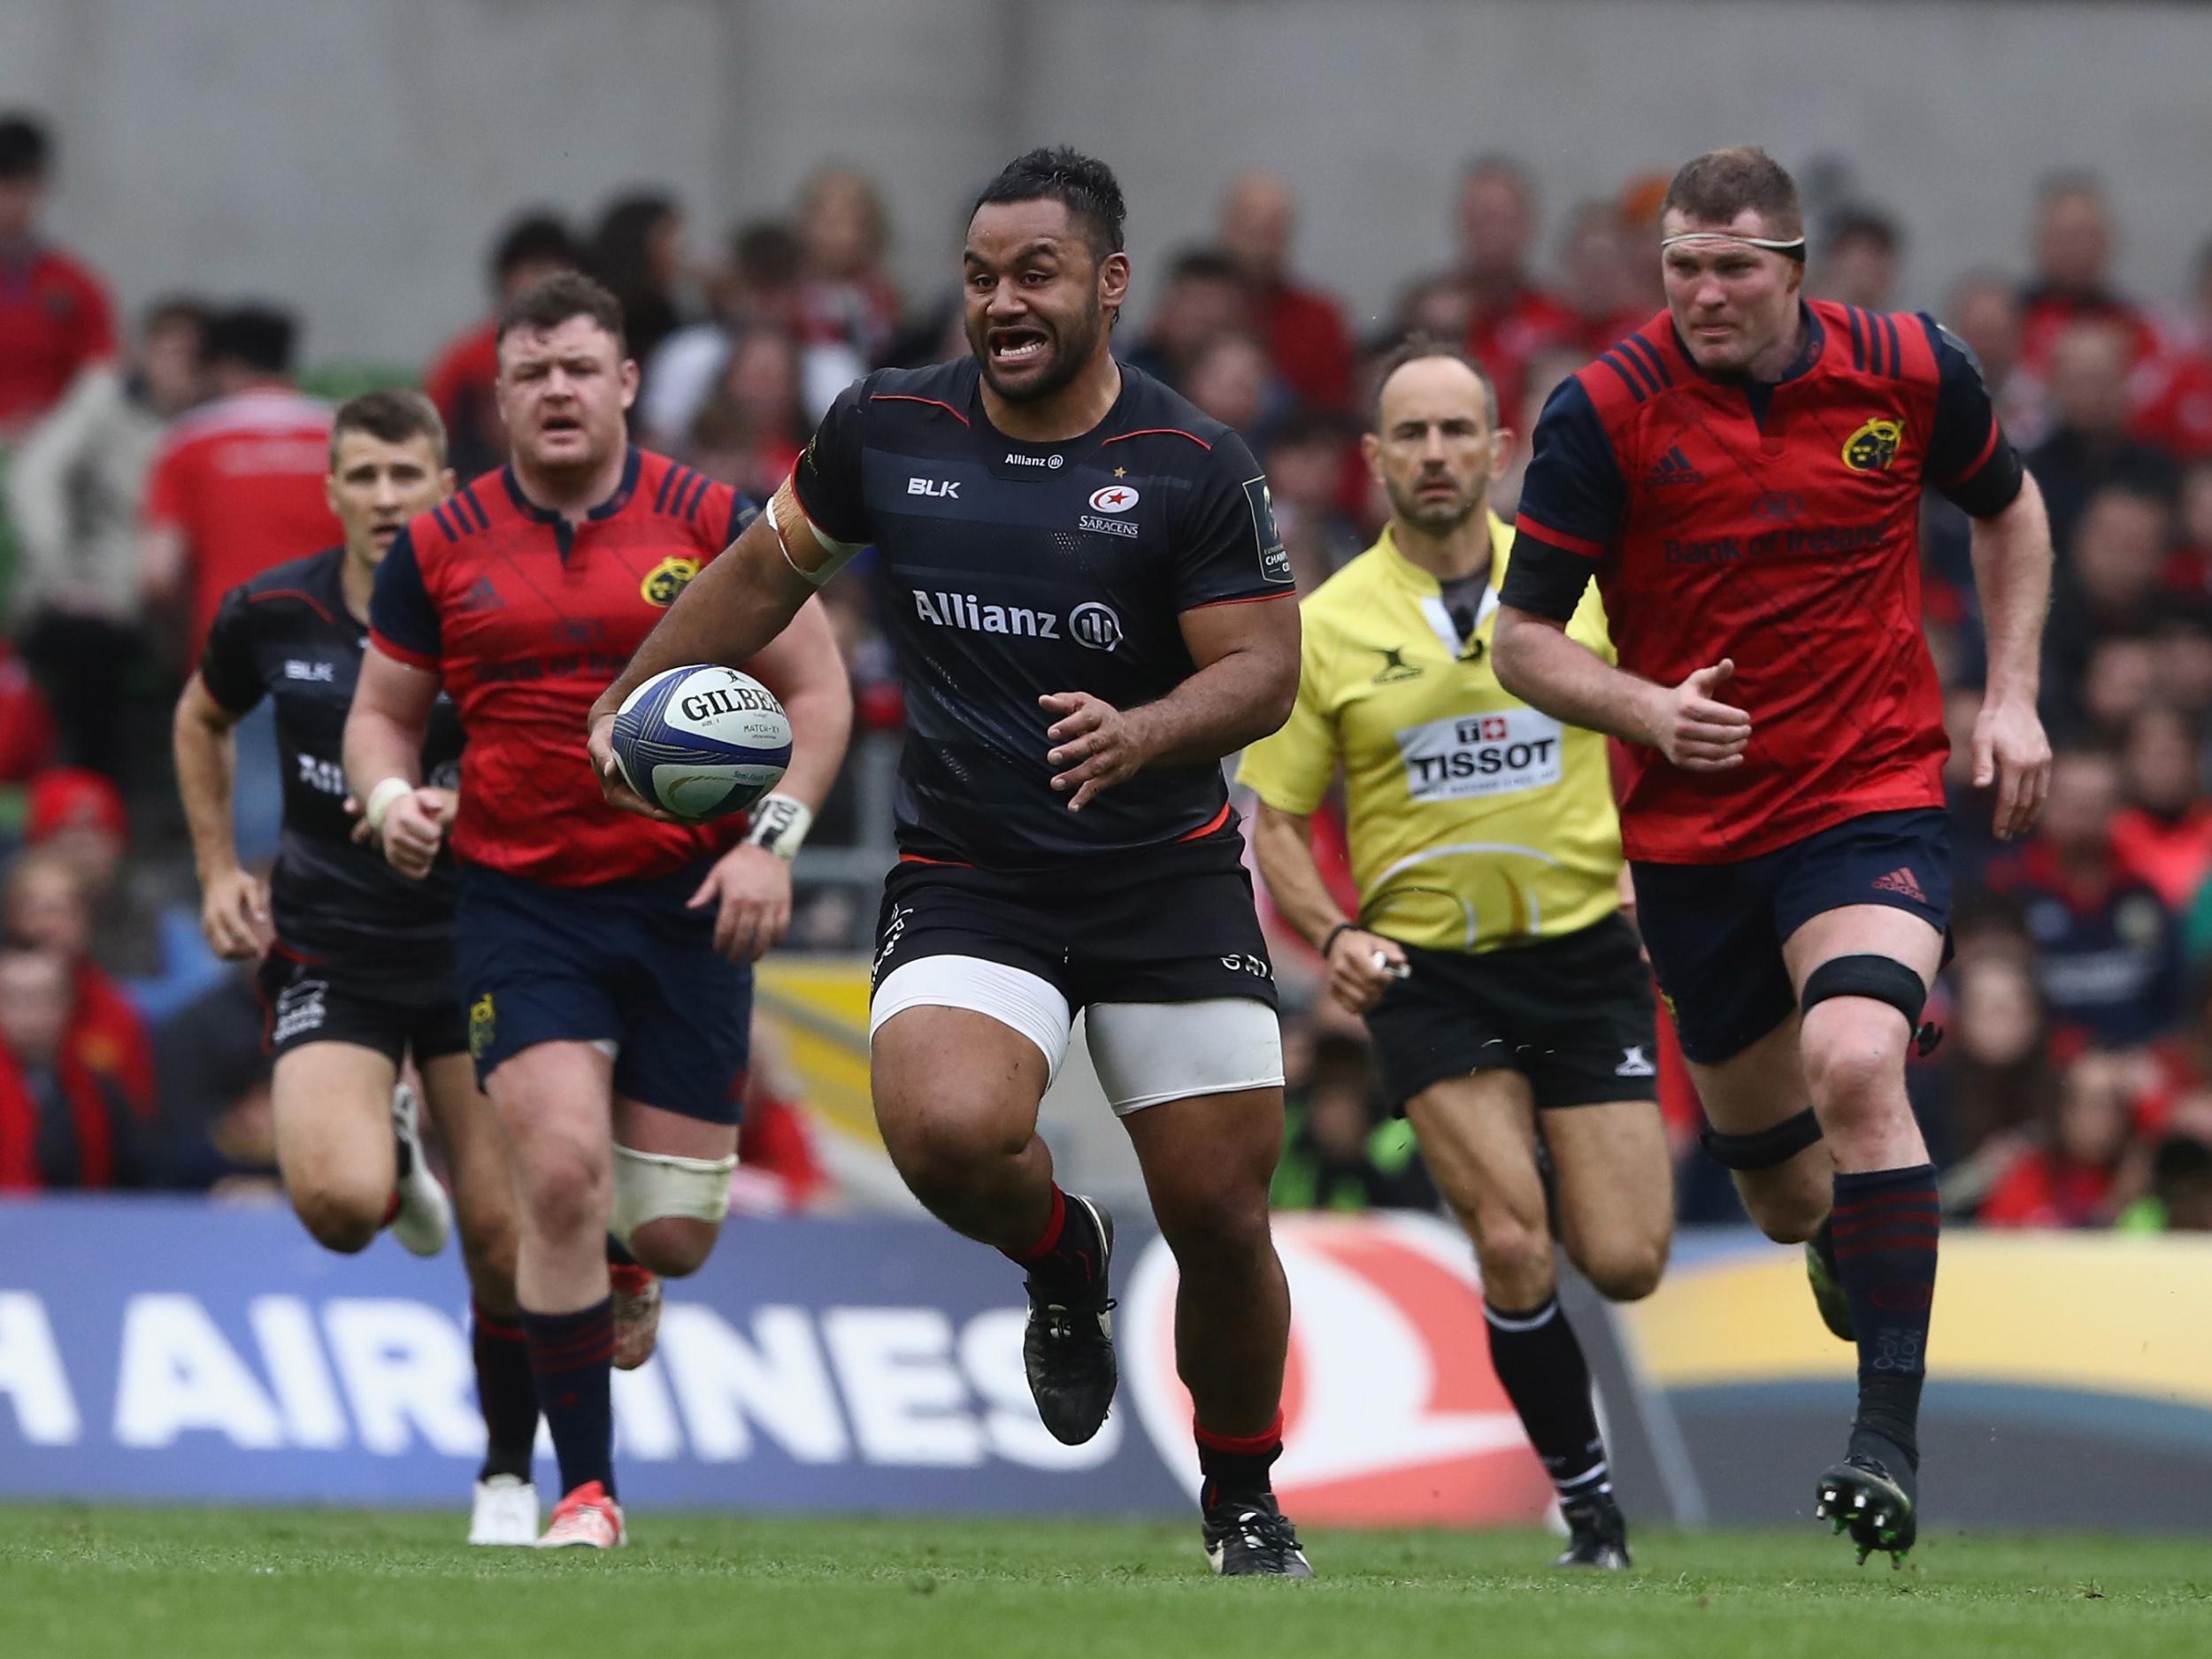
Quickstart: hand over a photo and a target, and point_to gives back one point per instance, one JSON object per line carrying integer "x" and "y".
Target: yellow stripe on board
{"x": 817, "y": 1009}
{"x": 2093, "y": 1311}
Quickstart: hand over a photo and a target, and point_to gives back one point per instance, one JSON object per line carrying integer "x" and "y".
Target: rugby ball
{"x": 702, "y": 742}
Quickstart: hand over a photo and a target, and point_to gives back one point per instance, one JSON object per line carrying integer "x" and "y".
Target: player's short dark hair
{"x": 551, "y": 300}
{"x": 27, "y": 150}
{"x": 1722, "y": 183}
{"x": 255, "y": 335}
{"x": 397, "y": 415}
{"x": 537, "y": 237}
{"x": 1865, "y": 224}
{"x": 1417, "y": 349}
{"x": 1083, "y": 184}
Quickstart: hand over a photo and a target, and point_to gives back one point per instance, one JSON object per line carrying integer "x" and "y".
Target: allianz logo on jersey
{"x": 1090, "y": 624}
{"x": 1470, "y": 755}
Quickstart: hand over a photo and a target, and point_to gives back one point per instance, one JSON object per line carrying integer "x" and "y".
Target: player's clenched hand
{"x": 2011, "y": 751}
{"x": 414, "y": 829}
{"x": 1697, "y": 732}
{"x": 752, "y": 889}
{"x": 600, "y": 744}
{"x": 234, "y": 915}
{"x": 1362, "y": 966}
{"x": 1098, "y": 744}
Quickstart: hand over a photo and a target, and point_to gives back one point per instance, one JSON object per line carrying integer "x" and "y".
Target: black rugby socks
{"x": 1541, "y": 1363}
{"x": 1887, "y": 1223}
{"x": 506, "y": 1393}
{"x": 571, "y": 1356}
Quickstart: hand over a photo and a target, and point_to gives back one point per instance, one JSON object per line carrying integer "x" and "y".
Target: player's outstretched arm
{"x": 728, "y": 613}
{"x": 1540, "y": 666}
{"x": 1361, "y": 965}
{"x": 2012, "y": 575}
{"x": 1247, "y": 680}
{"x": 234, "y": 906}
{"x": 383, "y": 760}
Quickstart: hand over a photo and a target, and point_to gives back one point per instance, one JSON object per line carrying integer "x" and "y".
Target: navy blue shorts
{"x": 1715, "y": 932}
{"x": 624, "y": 962}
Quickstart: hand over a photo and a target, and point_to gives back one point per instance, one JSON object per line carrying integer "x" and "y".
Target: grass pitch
{"x": 79, "y": 1583}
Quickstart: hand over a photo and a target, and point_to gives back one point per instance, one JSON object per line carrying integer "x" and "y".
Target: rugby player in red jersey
{"x": 605, "y": 960}
{"x": 1742, "y": 476}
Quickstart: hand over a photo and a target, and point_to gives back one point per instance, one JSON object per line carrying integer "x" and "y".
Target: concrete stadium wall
{"x": 349, "y": 157}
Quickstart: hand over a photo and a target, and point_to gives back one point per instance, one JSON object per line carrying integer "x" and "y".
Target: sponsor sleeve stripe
{"x": 1208, "y": 826}
{"x": 399, "y": 653}
{"x": 1244, "y": 599}
{"x": 1157, "y": 432}
{"x": 1858, "y": 340}
{"x": 444, "y": 523}
{"x": 307, "y": 599}
{"x": 468, "y": 495}
{"x": 660, "y": 495}
{"x": 1528, "y": 524}
{"x": 698, "y": 495}
{"x": 908, "y": 397}
{"x": 1643, "y": 348}
{"x": 1896, "y": 370}
{"x": 1627, "y": 380}
{"x": 1988, "y": 449}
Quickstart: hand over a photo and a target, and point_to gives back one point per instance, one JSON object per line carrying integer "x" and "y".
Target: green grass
{"x": 78, "y": 1583}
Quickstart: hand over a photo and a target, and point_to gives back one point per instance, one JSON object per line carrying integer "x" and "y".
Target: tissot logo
{"x": 943, "y": 488}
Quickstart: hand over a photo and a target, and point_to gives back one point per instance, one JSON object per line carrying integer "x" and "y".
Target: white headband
{"x": 1795, "y": 248}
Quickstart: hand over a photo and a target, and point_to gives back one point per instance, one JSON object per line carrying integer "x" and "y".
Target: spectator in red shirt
{"x": 1509, "y": 318}
{"x": 2164, "y": 833}
{"x": 847, "y": 295}
{"x": 459, "y": 383}
{"x": 2175, "y": 404}
{"x": 1303, "y": 327}
{"x": 1596, "y": 261}
{"x": 1858, "y": 261}
{"x": 237, "y": 484}
{"x": 45, "y": 907}
{"x": 55, "y": 315}
{"x": 61, "y": 1125}
{"x": 27, "y": 728}
{"x": 2070, "y": 1175}
{"x": 2071, "y": 245}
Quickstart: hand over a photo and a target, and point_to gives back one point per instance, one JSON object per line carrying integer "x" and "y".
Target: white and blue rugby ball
{"x": 702, "y": 742}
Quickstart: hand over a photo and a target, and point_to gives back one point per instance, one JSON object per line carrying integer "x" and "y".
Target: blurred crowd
{"x": 151, "y": 463}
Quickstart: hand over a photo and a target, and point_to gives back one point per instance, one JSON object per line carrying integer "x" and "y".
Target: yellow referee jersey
{"x": 1475, "y": 821}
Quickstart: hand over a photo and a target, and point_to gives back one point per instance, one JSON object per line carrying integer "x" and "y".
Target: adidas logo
{"x": 1673, "y": 467}
{"x": 483, "y": 596}
{"x": 1901, "y": 881}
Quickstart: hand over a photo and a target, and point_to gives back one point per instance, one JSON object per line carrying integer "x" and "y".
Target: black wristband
{"x": 1329, "y": 943}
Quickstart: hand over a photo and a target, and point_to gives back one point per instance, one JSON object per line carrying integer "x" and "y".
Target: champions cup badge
{"x": 666, "y": 579}
{"x": 480, "y": 1025}
{"x": 1873, "y": 446}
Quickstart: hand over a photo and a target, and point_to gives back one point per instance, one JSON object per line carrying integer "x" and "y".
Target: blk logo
{"x": 943, "y": 488}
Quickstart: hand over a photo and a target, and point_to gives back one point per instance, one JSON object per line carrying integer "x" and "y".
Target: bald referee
{"x": 1505, "y": 992}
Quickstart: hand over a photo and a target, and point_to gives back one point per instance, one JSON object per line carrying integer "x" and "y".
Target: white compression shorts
{"x": 1146, "y": 1053}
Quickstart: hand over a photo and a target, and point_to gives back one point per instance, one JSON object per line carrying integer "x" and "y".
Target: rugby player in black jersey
{"x": 356, "y": 960}
{"x": 1090, "y": 608}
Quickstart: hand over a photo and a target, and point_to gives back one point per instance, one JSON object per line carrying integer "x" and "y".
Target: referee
{"x": 1505, "y": 992}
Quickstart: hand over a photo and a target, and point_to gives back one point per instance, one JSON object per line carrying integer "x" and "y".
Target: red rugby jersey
{"x": 243, "y": 478}
{"x": 1777, "y": 524}
{"x": 55, "y": 317}
{"x": 527, "y": 619}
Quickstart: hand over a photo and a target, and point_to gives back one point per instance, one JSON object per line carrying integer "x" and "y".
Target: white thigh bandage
{"x": 1150, "y": 1052}
{"x": 652, "y": 1185}
{"x": 1012, "y": 996}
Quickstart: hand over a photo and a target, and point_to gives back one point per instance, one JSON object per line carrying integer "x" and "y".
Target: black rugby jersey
{"x": 287, "y": 635}
{"x": 1010, "y": 569}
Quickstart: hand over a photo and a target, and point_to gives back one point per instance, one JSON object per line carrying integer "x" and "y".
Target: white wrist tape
{"x": 380, "y": 799}
{"x": 836, "y": 554}
{"x": 780, "y": 823}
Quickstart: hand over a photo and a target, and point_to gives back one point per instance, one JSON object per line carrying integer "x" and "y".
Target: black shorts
{"x": 1573, "y": 1014}
{"x": 1715, "y": 932}
{"x": 624, "y": 962}
{"x": 309, "y": 999}
{"x": 1172, "y": 924}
